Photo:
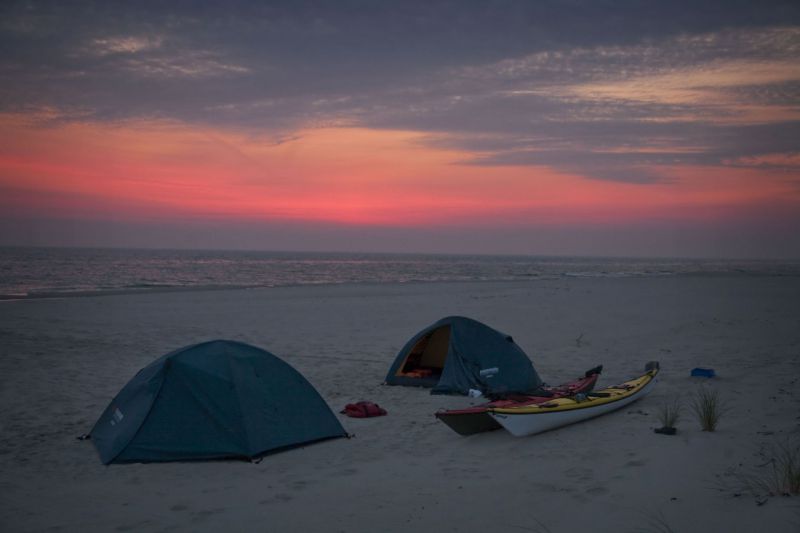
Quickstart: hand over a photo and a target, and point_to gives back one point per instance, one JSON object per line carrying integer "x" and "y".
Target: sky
{"x": 612, "y": 128}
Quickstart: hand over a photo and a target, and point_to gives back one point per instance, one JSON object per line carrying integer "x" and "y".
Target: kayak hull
{"x": 530, "y": 420}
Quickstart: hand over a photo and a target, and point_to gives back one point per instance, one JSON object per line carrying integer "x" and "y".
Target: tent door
{"x": 427, "y": 357}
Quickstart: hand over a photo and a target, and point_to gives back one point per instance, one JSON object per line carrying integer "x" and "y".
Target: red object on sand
{"x": 363, "y": 410}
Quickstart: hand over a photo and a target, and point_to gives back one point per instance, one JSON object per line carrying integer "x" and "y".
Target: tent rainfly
{"x": 218, "y": 399}
{"x": 457, "y": 354}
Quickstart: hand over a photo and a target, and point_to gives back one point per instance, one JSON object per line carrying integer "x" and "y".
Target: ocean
{"x": 69, "y": 272}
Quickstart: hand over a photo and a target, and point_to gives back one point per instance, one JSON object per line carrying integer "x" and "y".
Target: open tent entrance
{"x": 425, "y": 360}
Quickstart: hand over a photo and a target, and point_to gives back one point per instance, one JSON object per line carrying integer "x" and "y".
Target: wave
{"x": 66, "y": 273}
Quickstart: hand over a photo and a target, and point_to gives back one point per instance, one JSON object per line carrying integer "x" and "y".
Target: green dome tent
{"x": 218, "y": 399}
{"x": 457, "y": 354}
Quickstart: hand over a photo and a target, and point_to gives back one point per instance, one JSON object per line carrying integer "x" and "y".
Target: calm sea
{"x": 61, "y": 272}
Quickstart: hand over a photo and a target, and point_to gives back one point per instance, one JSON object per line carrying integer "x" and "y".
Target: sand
{"x": 62, "y": 360}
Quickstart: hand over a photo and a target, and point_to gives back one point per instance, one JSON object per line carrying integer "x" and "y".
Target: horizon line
{"x": 420, "y": 253}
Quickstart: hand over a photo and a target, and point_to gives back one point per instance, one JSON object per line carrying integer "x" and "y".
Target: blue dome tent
{"x": 457, "y": 354}
{"x": 218, "y": 399}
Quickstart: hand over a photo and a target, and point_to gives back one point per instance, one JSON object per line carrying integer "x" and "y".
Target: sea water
{"x": 63, "y": 272}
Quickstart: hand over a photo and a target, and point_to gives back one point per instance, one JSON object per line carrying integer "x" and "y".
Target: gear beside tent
{"x": 457, "y": 354}
{"x": 218, "y": 399}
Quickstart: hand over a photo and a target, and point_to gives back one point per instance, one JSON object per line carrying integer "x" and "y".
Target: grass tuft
{"x": 656, "y": 523}
{"x": 707, "y": 407}
{"x": 782, "y": 476}
{"x": 669, "y": 412}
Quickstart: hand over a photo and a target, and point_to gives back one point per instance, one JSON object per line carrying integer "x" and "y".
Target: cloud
{"x": 618, "y": 112}
{"x": 123, "y": 45}
{"x": 789, "y": 161}
{"x": 192, "y": 64}
{"x": 142, "y": 56}
{"x": 712, "y": 92}
{"x": 591, "y": 88}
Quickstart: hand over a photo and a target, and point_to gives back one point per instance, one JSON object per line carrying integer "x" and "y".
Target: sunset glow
{"x": 679, "y": 129}
{"x": 341, "y": 175}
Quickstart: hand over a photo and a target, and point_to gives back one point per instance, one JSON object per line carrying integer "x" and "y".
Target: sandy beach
{"x": 62, "y": 360}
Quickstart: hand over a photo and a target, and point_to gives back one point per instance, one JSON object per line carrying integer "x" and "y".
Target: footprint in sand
{"x": 134, "y": 527}
{"x": 280, "y": 497}
{"x": 299, "y": 485}
{"x": 199, "y": 516}
{"x": 582, "y": 474}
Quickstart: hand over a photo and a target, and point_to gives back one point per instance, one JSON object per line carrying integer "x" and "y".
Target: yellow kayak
{"x": 532, "y": 419}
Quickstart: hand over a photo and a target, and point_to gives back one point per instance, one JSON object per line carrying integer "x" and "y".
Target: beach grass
{"x": 655, "y": 522}
{"x": 781, "y": 476}
{"x": 708, "y": 407}
{"x": 669, "y": 412}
